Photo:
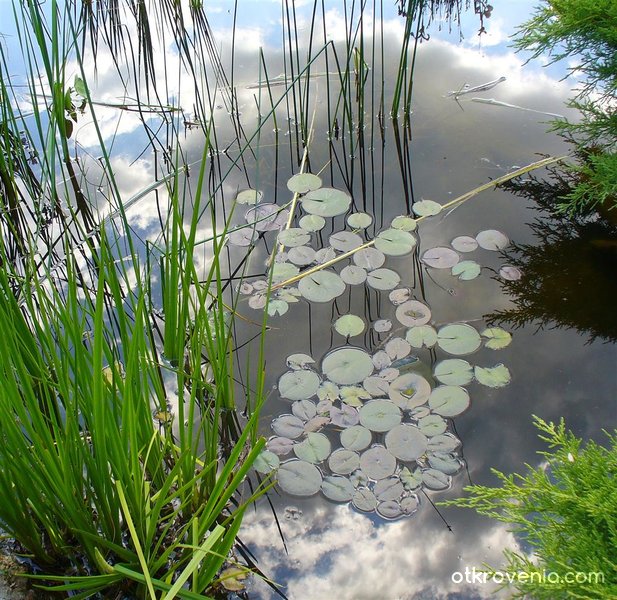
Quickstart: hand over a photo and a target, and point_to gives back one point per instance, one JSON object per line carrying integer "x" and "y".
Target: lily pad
{"x": 299, "y": 384}
{"x": 466, "y": 270}
{"x": 299, "y": 361}
{"x": 426, "y": 208}
{"x": 312, "y": 223}
{"x": 440, "y": 258}
{"x": 266, "y": 462}
{"x": 377, "y": 463}
{"x": 242, "y": 237}
{"x": 380, "y": 415}
{"x": 381, "y": 359}
{"x": 409, "y": 390}
{"x": 299, "y": 478}
{"x": 344, "y": 241}
{"x": 376, "y": 386}
{"x": 453, "y": 371}
{"x": 424, "y": 335}
{"x": 288, "y": 426}
{"x": 280, "y": 445}
{"x": 326, "y": 202}
{"x": 412, "y": 480}
{"x": 349, "y": 325}
{"x": 301, "y": 255}
{"x": 344, "y": 461}
{"x": 314, "y": 448}
{"x": 397, "y": 348}
{"x": 445, "y": 442}
{"x": 347, "y": 365}
{"x": 359, "y": 220}
{"x": 435, "y": 480}
{"x": 337, "y": 489}
{"x": 444, "y": 462}
{"x": 304, "y": 409}
{"x": 497, "y": 338}
{"x": 321, "y": 286}
{"x": 432, "y": 425}
{"x": 266, "y": 217}
{"x": 413, "y": 313}
{"x": 354, "y": 395}
{"x": 395, "y": 242}
{"x": 359, "y": 479}
{"x": 410, "y": 505}
{"x": 258, "y": 301}
{"x": 353, "y": 275}
{"x": 369, "y": 258}
{"x": 458, "y": 339}
{"x": 390, "y": 488}
{"x": 449, "y": 400}
{"x": 294, "y": 236}
{"x": 324, "y": 255}
{"x": 277, "y": 307}
{"x": 510, "y": 273}
{"x": 382, "y": 325}
{"x": 399, "y": 296}
{"x": 390, "y": 509}
{"x": 316, "y": 423}
{"x": 356, "y": 438}
{"x": 346, "y": 416}
{"x": 303, "y": 182}
{"x": 404, "y": 223}
{"x": 364, "y": 499}
{"x": 249, "y": 197}
{"x": 491, "y": 239}
{"x": 494, "y": 377}
{"x": 406, "y": 442}
{"x": 283, "y": 271}
{"x": 464, "y": 243}
{"x": 383, "y": 279}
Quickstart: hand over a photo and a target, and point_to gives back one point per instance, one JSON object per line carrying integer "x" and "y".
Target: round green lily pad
{"x": 406, "y": 442}
{"x": 299, "y": 384}
{"x": 347, "y": 365}
{"x": 321, "y": 286}
{"x": 337, "y": 488}
{"x": 303, "y": 182}
{"x": 449, "y": 400}
{"x": 409, "y": 390}
{"x": 299, "y": 478}
{"x": 314, "y": 448}
{"x": 380, "y": 415}
{"x": 458, "y": 339}
{"x": 453, "y": 371}
{"x": 343, "y": 461}
{"x": 326, "y": 202}
{"x": 377, "y": 463}
{"x": 349, "y": 325}
{"x": 356, "y": 438}
{"x": 395, "y": 242}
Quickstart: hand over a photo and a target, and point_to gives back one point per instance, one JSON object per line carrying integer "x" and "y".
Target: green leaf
{"x": 426, "y": 208}
{"x": 80, "y": 87}
{"x": 395, "y": 242}
{"x": 449, "y": 400}
{"x": 466, "y": 270}
{"x": 494, "y": 377}
{"x": 298, "y": 384}
{"x": 321, "y": 286}
{"x": 326, "y": 202}
{"x": 380, "y": 415}
{"x": 497, "y": 338}
{"x": 303, "y": 182}
{"x": 406, "y": 442}
{"x": 458, "y": 339}
{"x": 314, "y": 448}
{"x": 299, "y": 478}
{"x": 347, "y": 365}
{"x": 453, "y": 371}
{"x": 266, "y": 462}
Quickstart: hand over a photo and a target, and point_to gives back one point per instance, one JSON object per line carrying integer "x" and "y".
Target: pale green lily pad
{"x": 288, "y": 426}
{"x": 314, "y": 448}
{"x": 453, "y": 371}
{"x": 413, "y": 313}
{"x": 266, "y": 462}
{"x": 312, "y": 223}
{"x": 383, "y": 279}
{"x": 406, "y": 442}
{"x": 376, "y": 386}
{"x": 299, "y": 478}
{"x": 356, "y": 438}
{"x": 354, "y": 395}
{"x": 435, "y": 480}
{"x": 283, "y": 271}
{"x": 464, "y": 243}
{"x": 299, "y": 384}
{"x": 410, "y": 505}
{"x": 277, "y": 307}
{"x": 303, "y": 182}
{"x": 432, "y": 425}
{"x": 349, "y": 325}
{"x": 495, "y": 377}
{"x": 423, "y": 335}
{"x": 369, "y": 258}
{"x": 258, "y": 301}
{"x": 381, "y": 359}
{"x": 449, "y": 400}
{"x": 322, "y": 286}
{"x": 491, "y": 239}
{"x": 444, "y": 462}
{"x": 344, "y": 241}
{"x": 412, "y": 480}
{"x": 458, "y": 339}
{"x": 359, "y": 220}
{"x": 404, "y": 223}
{"x": 364, "y": 499}
{"x": 377, "y": 463}
{"x": 232, "y": 578}
{"x": 280, "y": 445}
{"x": 346, "y": 416}
{"x": 344, "y": 461}
{"x": 266, "y": 217}
{"x": 293, "y": 237}
{"x": 337, "y": 489}
{"x": 249, "y": 197}
{"x": 395, "y": 242}
{"x": 299, "y": 361}
{"x": 359, "y": 479}
{"x": 409, "y": 390}
{"x": 390, "y": 488}
{"x": 510, "y": 273}
{"x": 426, "y": 208}
{"x": 440, "y": 258}
{"x": 390, "y": 509}
{"x": 301, "y": 255}
{"x": 382, "y": 325}
{"x": 242, "y": 237}
{"x": 397, "y": 348}
{"x": 380, "y": 415}
{"x": 347, "y": 365}
{"x": 326, "y": 202}
{"x": 353, "y": 275}
{"x": 304, "y": 409}
{"x": 497, "y": 338}
{"x": 466, "y": 270}
{"x": 445, "y": 442}
{"x": 324, "y": 255}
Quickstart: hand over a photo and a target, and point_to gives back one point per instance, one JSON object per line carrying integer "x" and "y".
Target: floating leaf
{"x": 328, "y": 391}
{"x": 424, "y": 335}
{"x": 299, "y": 384}
{"x": 246, "y": 288}
{"x": 344, "y": 461}
{"x": 380, "y": 415}
{"x": 277, "y": 307}
{"x": 390, "y": 509}
{"x": 359, "y": 220}
{"x": 413, "y": 313}
{"x": 293, "y": 237}
{"x": 491, "y": 239}
{"x": 420, "y": 412}
{"x": 315, "y": 424}
{"x": 404, "y": 223}
{"x": 303, "y": 182}
{"x": 312, "y": 223}
{"x": 353, "y": 275}
{"x": 344, "y": 241}
{"x": 440, "y": 257}
{"x": 510, "y": 273}
{"x": 410, "y": 504}
{"x": 283, "y": 271}
{"x": 435, "y": 480}
{"x": 395, "y": 242}
{"x": 445, "y": 442}
{"x": 314, "y": 448}
{"x": 249, "y": 197}
{"x": 301, "y": 255}
{"x": 358, "y": 478}
{"x": 412, "y": 480}
{"x": 426, "y": 208}
{"x": 231, "y": 578}
{"x": 449, "y": 400}
{"x": 409, "y": 390}
{"x": 242, "y": 237}
{"x": 353, "y": 395}
{"x": 349, "y": 325}
{"x": 495, "y": 377}
{"x": 406, "y": 442}
{"x": 388, "y": 489}
{"x": 444, "y": 462}
{"x": 346, "y": 416}
{"x": 397, "y": 348}
{"x": 381, "y": 359}
{"x": 382, "y": 325}
{"x": 369, "y": 258}
{"x": 258, "y": 301}
{"x": 299, "y": 361}
{"x": 337, "y": 489}
{"x": 266, "y": 462}
{"x": 458, "y": 339}
{"x": 288, "y": 426}
{"x": 304, "y": 409}
{"x": 347, "y": 365}
{"x": 356, "y": 438}
{"x": 299, "y": 478}
{"x": 399, "y": 296}
{"x": 453, "y": 371}
{"x": 364, "y": 499}
{"x": 377, "y": 463}
{"x": 466, "y": 270}
{"x": 280, "y": 445}
{"x": 383, "y": 279}
{"x": 389, "y": 374}
{"x": 464, "y": 243}
{"x": 432, "y": 425}
{"x": 324, "y": 255}
{"x": 326, "y": 202}
{"x": 322, "y": 286}
{"x": 376, "y": 386}
{"x": 497, "y": 338}
{"x": 266, "y": 217}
